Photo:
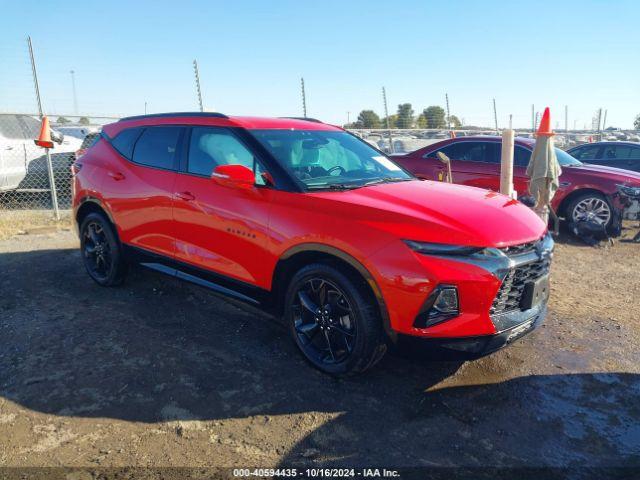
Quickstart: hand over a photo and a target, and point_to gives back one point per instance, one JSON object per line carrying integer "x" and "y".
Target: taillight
{"x": 75, "y": 168}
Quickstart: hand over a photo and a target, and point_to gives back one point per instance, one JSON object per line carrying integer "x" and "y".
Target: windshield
{"x": 329, "y": 159}
{"x": 566, "y": 160}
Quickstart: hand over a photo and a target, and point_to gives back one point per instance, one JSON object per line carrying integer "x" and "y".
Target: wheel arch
{"x": 300, "y": 255}
{"x": 566, "y": 201}
{"x": 92, "y": 205}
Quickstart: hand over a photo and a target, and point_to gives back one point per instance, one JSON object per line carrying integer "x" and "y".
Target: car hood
{"x": 441, "y": 213}
{"x": 618, "y": 175}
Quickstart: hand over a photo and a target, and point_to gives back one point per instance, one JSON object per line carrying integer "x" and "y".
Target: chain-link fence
{"x": 25, "y": 181}
{"x": 400, "y": 141}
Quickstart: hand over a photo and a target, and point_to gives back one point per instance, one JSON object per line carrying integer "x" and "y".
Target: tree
{"x": 393, "y": 121}
{"x": 405, "y": 116}
{"x": 368, "y": 119}
{"x": 636, "y": 123}
{"x": 84, "y": 121}
{"x": 455, "y": 121}
{"x": 63, "y": 120}
{"x": 434, "y": 117}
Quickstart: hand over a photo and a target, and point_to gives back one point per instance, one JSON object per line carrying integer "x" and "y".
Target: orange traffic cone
{"x": 452, "y": 134}
{"x": 44, "y": 140}
{"x": 544, "y": 130}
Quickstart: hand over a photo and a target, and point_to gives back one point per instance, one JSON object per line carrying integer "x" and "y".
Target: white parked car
{"x": 76, "y": 131}
{"x": 22, "y": 163}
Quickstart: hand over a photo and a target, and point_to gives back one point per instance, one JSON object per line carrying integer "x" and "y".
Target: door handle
{"x": 117, "y": 176}
{"x": 186, "y": 196}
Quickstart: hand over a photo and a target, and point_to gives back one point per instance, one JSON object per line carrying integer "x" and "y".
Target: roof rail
{"x": 175, "y": 114}
{"x": 308, "y": 119}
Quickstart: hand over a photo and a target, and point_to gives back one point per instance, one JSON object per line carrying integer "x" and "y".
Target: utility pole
{"x": 604, "y": 122}
{"x": 348, "y": 117}
{"x": 52, "y": 183}
{"x": 198, "y": 90}
{"x": 446, "y": 96}
{"x": 535, "y": 123}
{"x": 511, "y": 121}
{"x": 599, "y": 119}
{"x": 495, "y": 116}
{"x": 304, "y": 98}
{"x": 145, "y": 108}
{"x": 75, "y": 96}
{"x": 386, "y": 115}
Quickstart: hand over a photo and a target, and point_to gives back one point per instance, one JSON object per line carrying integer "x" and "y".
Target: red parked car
{"x": 587, "y": 192}
{"x": 314, "y": 224}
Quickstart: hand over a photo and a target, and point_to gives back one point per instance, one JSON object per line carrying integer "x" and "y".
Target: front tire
{"x": 101, "y": 251}
{"x": 334, "y": 320}
{"x": 592, "y": 207}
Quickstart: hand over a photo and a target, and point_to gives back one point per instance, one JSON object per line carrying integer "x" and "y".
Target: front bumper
{"x": 490, "y": 288}
{"x": 466, "y": 348}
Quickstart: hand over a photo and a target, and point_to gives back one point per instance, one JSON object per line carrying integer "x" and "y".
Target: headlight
{"x": 441, "y": 248}
{"x": 629, "y": 191}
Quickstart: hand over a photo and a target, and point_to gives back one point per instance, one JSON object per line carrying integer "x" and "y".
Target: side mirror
{"x": 237, "y": 176}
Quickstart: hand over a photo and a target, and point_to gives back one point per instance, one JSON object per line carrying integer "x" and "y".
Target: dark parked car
{"x": 611, "y": 154}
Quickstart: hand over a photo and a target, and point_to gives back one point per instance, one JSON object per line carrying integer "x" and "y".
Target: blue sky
{"x": 251, "y": 54}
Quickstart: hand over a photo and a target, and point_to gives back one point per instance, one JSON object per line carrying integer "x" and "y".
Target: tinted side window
{"x": 635, "y": 153}
{"x": 449, "y": 151}
{"x": 157, "y": 147}
{"x": 125, "y": 141}
{"x": 211, "y": 147}
{"x": 521, "y": 156}
{"x": 586, "y": 153}
{"x": 486, "y": 152}
{"x": 620, "y": 152}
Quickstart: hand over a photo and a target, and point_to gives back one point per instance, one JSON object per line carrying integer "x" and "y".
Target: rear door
{"x": 521, "y": 157}
{"x": 620, "y": 156}
{"x": 139, "y": 184}
{"x": 475, "y": 163}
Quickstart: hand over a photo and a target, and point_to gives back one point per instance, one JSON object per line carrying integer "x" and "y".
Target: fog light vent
{"x": 442, "y": 304}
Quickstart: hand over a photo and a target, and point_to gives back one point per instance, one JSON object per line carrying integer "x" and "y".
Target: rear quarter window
{"x": 157, "y": 147}
{"x": 125, "y": 141}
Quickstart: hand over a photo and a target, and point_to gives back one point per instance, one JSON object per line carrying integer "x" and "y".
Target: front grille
{"x": 510, "y": 293}
{"x": 519, "y": 249}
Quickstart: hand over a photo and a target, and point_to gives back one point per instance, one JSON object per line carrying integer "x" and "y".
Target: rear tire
{"x": 334, "y": 320}
{"x": 101, "y": 251}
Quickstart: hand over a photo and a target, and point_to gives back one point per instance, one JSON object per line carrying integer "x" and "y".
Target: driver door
{"x": 220, "y": 228}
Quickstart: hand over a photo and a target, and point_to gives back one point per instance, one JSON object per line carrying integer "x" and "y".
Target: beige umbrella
{"x": 544, "y": 170}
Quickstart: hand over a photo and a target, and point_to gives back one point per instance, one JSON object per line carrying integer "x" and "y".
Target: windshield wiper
{"x": 333, "y": 186}
{"x": 387, "y": 180}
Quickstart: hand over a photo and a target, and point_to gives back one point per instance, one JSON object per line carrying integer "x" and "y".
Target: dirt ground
{"x": 163, "y": 373}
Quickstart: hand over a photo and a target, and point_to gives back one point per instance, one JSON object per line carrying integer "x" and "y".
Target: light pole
{"x": 75, "y": 96}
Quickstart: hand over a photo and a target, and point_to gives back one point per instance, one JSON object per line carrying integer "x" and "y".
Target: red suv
{"x": 316, "y": 225}
{"x": 587, "y": 192}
